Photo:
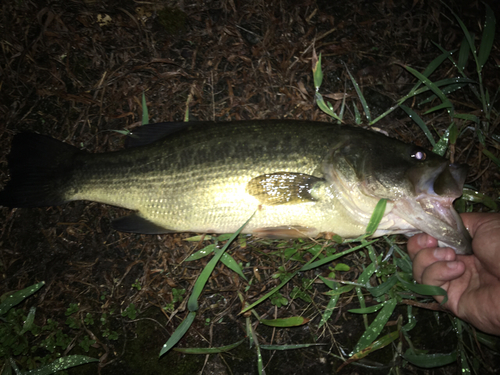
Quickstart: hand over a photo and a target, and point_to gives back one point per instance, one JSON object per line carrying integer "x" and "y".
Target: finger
{"x": 441, "y": 273}
{"x": 418, "y": 242}
{"x": 427, "y": 257}
{"x": 485, "y": 230}
{"x": 474, "y": 221}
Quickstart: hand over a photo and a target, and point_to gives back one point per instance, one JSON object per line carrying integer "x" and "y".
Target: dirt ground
{"x": 76, "y": 70}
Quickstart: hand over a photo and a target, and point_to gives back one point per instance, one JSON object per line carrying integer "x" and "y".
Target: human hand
{"x": 471, "y": 281}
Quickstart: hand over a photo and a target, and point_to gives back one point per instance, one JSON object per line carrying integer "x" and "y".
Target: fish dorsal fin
{"x": 282, "y": 188}
{"x": 137, "y": 224}
{"x": 147, "y": 134}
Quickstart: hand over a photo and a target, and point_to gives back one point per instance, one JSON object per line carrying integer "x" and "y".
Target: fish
{"x": 297, "y": 178}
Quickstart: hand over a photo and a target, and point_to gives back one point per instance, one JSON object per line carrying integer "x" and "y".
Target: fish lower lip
{"x": 436, "y": 216}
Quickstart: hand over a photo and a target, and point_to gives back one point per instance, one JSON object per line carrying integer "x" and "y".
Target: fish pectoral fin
{"x": 282, "y": 188}
{"x": 137, "y": 224}
{"x": 288, "y": 231}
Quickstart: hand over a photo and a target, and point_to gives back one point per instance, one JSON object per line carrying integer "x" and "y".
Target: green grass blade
{"x": 437, "y": 108}
{"x": 178, "y": 333}
{"x": 468, "y": 117}
{"x": 289, "y": 347}
{"x": 62, "y": 363}
{"x": 331, "y": 258}
{"x": 468, "y": 36}
{"x": 364, "y": 279}
{"x": 343, "y": 107}
{"x": 260, "y": 361}
{"x": 376, "y": 326}
{"x": 329, "y": 310}
{"x": 377, "y": 215}
{"x": 436, "y": 63}
{"x": 429, "y": 70}
{"x": 430, "y": 360}
{"x": 230, "y": 263}
{"x": 492, "y": 342}
{"x": 329, "y": 283}
{"x": 376, "y": 345}
{"x": 249, "y": 329}
{"x": 463, "y": 55}
{"x": 451, "y": 81}
{"x": 384, "y": 287}
{"x": 357, "y": 115}
{"x": 19, "y": 296}
{"x": 28, "y": 323}
{"x": 477, "y": 197}
{"x": 361, "y": 97}
{"x": 458, "y": 84}
{"x": 342, "y": 289}
{"x": 207, "y": 271}
{"x": 488, "y": 36}
{"x": 436, "y": 90}
{"x": 463, "y": 362}
{"x": 287, "y": 279}
{"x": 487, "y": 105}
{"x": 388, "y": 111}
{"x": 254, "y": 341}
{"x": 292, "y": 321}
{"x": 415, "y": 117}
{"x": 318, "y": 73}
{"x": 367, "y": 310}
{"x": 442, "y": 145}
{"x": 412, "y": 322}
{"x": 186, "y": 112}
{"x": 220, "y": 349}
{"x": 493, "y": 158}
{"x": 322, "y": 105}
{"x": 453, "y": 133}
{"x": 207, "y": 250}
{"x": 267, "y": 295}
{"x": 145, "y": 113}
{"x": 122, "y": 132}
{"x": 425, "y": 290}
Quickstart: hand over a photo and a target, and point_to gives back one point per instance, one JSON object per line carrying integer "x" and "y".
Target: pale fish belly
{"x": 225, "y": 206}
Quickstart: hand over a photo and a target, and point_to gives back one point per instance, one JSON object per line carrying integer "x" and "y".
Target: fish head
{"x": 421, "y": 185}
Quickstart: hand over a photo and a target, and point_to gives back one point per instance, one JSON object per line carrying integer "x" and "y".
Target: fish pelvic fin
{"x": 137, "y": 224}
{"x": 40, "y": 167}
{"x": 285, "y": 232}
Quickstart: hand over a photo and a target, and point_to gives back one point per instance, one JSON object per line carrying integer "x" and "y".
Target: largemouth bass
{"x": 302, "y": 179}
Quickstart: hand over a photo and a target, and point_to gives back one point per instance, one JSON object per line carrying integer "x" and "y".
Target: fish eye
{"x": 419, "y": 155}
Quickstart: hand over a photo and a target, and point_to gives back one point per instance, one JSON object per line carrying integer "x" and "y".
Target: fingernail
{"x": 441, "y": 253}
{"x": 452, "y": 265}
{"x": 422, "y": 240}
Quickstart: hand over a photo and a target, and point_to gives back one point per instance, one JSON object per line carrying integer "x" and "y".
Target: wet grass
{"x": 73, "y": 78}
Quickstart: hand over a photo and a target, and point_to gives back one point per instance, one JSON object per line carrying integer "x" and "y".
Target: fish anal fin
{"x": 285, "y": 231}
{"x": 137, "y": 224}
{"x": 282, "y": 188}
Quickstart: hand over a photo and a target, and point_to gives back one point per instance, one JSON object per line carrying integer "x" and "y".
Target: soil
{"x": 77, "y": 71}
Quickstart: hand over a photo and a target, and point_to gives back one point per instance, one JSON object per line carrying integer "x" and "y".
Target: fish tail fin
{"x": 39, "y": 169}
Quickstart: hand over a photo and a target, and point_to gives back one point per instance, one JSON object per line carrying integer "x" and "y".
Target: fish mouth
{"x": 444, "y": 180}
{"x": 432, "y": 211}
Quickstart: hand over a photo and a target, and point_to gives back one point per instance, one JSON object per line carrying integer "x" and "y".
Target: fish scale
{"x": 300, "y": 178}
